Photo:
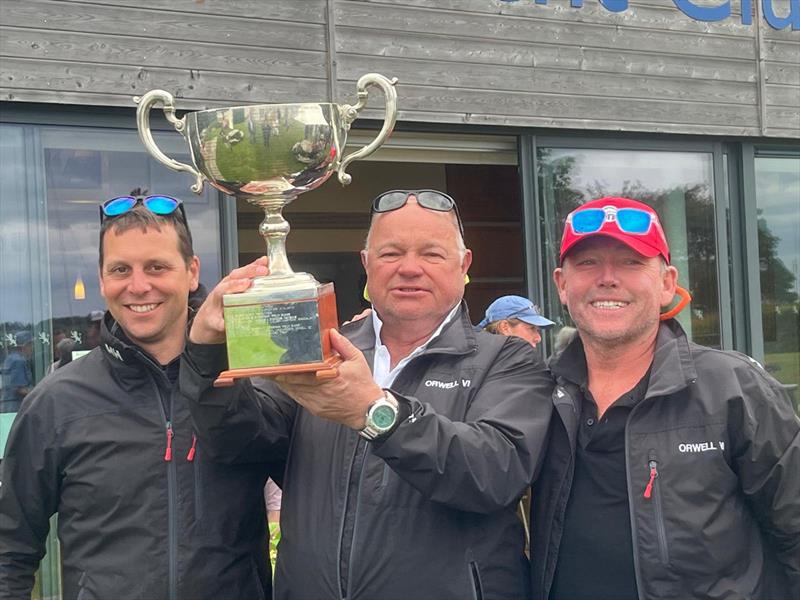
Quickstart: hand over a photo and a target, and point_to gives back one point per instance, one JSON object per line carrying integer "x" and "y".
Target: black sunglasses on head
{"x": 158, "y": 205}
{"x": 430, "y": 199}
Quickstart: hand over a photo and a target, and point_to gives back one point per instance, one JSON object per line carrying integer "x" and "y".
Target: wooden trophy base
{"x": 280, "y": 331}
{"x": 327, "y": 369}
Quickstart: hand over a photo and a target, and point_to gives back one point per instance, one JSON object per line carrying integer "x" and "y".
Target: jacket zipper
{"x": 362, "y": 460}
{"x": 193, "y": 449}
{"x": 653, "y": 491}
{"x": 355, "y": 517}
{"x": 631, "y": 507}
{"x": 477, "y": 586}
{"x": 170, "y": 435}
{"x": 339, "y": 569}
{"x": 560, "y": 510}
{"x": 172, "y": 495}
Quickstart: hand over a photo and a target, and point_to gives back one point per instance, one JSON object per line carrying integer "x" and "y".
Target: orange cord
{"x": 685, "y": 296}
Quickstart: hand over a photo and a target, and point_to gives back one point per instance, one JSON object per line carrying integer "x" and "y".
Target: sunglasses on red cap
{"x": 626, "y": 220}
{"x": 629, "y": 220}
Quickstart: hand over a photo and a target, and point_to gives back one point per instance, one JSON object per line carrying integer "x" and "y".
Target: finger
{"x": 296, "y": 380}
{"x": 362, "y": 315}
{"x": 257, "y": 268}
{"x": 344, "y": 347}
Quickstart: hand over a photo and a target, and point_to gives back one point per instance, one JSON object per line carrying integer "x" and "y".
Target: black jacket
{"x": 429, "y": 513}
{"x": 723, "y": 517}
{"x": 90, "y": 444}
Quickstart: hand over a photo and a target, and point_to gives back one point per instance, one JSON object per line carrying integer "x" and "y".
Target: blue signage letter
{"x": 776, "y": 22}
{"x": 704, "y": 13}
{"x": 615, "y": 5}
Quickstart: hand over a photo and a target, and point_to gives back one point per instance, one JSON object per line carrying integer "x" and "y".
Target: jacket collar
{"x": 457, "y": 337}
{"x": 127, "y": 360}
{"x": 672, "y": 368}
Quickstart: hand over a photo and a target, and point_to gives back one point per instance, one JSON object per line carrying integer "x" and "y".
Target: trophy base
{"x": 327, "y": 369}
{"x": 280, "y": 325}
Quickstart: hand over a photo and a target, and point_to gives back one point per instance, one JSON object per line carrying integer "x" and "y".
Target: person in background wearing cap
{"x": 107, "y": 442}
{"x": 92, "y": 338}
{"x": 672, "y": 469}
{"x": 17, "y": 374}
{"x": 515, "y": 315}
{"x": 404, "y": 470}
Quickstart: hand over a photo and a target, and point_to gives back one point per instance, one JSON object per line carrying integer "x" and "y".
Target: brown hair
{"x": 494, "y": 326}
{"x": 139, "y": 216}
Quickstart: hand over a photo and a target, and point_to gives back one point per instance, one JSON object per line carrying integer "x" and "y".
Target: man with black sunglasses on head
{"x": 405, "y": 470}
{"x": 672, "y": 469}
{"x": 108, "y": 444}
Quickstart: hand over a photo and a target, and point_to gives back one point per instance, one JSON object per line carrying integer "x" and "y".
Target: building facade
{"x": 521, "y": 110}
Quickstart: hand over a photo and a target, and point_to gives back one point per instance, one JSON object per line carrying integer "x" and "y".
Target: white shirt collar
{"x": 382, "y": 373}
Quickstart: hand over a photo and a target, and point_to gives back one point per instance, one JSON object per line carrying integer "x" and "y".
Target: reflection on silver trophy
{"x": 268, "y": 154}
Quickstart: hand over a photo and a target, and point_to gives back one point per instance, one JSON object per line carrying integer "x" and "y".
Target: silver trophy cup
{"x": 268, "y": 154}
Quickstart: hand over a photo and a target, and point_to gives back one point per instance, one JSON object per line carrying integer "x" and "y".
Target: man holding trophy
{"x": 404, "y": 469}
{"x": 408, "y": 438}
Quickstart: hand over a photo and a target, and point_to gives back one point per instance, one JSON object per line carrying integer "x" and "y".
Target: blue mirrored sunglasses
{"x": 628, "y": 220}
{"x": 159, "y": 205}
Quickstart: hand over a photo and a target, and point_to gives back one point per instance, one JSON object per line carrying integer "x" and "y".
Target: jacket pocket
{"x": 652, "y": 492}
{"x": 477, "y": 586}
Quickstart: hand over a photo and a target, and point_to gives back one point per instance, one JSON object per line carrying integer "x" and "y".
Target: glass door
{"x": 53, "y": 181}
{"x": 777, "y": 180}
{"x": 679, "y": 184}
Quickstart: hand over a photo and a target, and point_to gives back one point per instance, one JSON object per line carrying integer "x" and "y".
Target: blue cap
{"x": 514, "y": 307}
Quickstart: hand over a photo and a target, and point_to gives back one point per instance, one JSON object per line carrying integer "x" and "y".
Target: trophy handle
{"x": 145, "y": 103}
{"x": 349, "y": 114}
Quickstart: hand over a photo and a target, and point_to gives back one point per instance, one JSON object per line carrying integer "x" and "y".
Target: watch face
{"x": 383, "y": 417}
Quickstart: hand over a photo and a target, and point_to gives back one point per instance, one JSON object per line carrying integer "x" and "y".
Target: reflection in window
{"x": 679, "y": 185}
{"x": 54, "y": 179}
{"x": 777, "y": 201}
{"x": 79, "y": 175}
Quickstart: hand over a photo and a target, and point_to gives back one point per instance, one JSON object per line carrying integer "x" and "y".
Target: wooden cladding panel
{"x": 150, "y": 53}
{"x": 542, "y": 54}
{"x": 520, "y": 64}
{"x": 74, "y": 79}
{"x": 625, "y": 34}
{"x": 488, "y": 106}
{"x": 142, "y": 21}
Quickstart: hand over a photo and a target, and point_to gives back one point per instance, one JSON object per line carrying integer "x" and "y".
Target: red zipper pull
{"x": 648, "y": 490}
{"x": 190, "y": 456}
{"x": 168, "y": 451}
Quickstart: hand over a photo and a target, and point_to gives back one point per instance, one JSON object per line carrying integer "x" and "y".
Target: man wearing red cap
{"x": 673, "y": 470}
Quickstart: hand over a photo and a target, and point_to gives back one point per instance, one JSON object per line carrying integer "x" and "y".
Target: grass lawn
{"x": 785, "y": 367}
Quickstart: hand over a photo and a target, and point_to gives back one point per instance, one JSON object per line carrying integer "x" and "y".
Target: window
{"x": 777, "y": 199}
{"x": 679, "y": 185}
{"x": 54, "y": 178}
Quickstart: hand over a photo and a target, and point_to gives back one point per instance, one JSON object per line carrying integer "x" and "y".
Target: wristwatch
{"x": 382, "y": 416}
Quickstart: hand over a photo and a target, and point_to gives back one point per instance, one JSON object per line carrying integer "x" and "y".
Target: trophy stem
{"x": 274, "y": 229}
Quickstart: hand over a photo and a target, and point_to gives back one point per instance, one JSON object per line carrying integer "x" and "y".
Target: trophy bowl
{"x": 267, "y": 155}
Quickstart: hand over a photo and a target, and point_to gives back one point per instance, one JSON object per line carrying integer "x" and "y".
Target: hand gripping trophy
{"x": 268, "y": 154}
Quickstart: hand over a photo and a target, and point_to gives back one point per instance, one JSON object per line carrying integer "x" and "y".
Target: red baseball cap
{"x": 638, "y": 228}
